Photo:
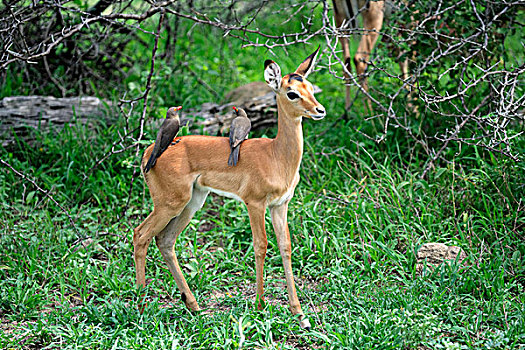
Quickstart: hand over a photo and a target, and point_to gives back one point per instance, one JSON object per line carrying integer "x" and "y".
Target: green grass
{"x": 357, "y": 219}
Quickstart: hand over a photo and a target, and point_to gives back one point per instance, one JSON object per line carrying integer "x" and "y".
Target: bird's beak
{"x": 235, "y": 109}
{"x": 178, "y": 108}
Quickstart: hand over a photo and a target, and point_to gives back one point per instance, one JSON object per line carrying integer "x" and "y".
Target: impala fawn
{"x": 265, "y": 176}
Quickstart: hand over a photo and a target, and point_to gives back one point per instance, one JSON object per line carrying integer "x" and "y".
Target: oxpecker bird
{"x": 239, "y": 131}
{"x": 168, "y": 130}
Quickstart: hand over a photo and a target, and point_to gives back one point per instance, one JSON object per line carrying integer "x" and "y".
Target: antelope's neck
{"x": 288, "y": 144}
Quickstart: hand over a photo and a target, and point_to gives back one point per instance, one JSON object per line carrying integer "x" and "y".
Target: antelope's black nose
{"x": 320, "y": 110}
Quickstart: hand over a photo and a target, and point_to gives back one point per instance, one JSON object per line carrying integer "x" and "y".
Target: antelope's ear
{"x": 272, "y": 75}
{"x": 308, "y": 64}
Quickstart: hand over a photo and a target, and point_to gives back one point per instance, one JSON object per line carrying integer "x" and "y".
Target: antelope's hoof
{"x": 305, "y": 323}
{"x": 142, "y": 303}
{"x": 190, "y": 303}
{"x": 193, "y": 307}
{"x": 261, "y": 304}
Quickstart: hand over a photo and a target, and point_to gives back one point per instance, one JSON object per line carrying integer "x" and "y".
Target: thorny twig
{"x": 428, "y": 34}
{"x": 41, "y": 190}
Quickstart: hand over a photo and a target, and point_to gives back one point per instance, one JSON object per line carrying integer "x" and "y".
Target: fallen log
{"x": 19, "y": 115}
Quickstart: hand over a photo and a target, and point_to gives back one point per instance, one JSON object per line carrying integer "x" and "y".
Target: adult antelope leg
{"x": 256, "y": 213}
{"x": 372, "y": 23}
{"x": 166, "y": 241}
{"x": 346, "y": 54}
{"x": 280, "y": 226}
{"x": 343, "y": 14}
{"x": 143, "y": 234}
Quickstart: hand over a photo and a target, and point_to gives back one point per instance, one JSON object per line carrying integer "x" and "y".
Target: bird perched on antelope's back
{"x": 239, "y": 131}
{"x": 168, "y": 130}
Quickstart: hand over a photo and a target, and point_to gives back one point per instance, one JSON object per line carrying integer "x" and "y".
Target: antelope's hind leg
{"x": 166, "y": 241}
{"x": 341, "y": 19}
{"x": 143, "y": 234}
{"x": 163, "y": 213}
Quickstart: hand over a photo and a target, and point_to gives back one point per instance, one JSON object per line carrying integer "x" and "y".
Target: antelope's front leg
{"x": 280, "y": 225}
{"x": 257, "y": 213}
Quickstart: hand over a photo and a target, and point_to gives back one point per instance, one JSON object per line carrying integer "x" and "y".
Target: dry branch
{"x": 464, "y": 41}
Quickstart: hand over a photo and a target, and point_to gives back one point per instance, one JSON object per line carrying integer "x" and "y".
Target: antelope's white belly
{"x": 219, "y": 192}
{"x": 271, "y": 202}
{"x": 275, "y": 202}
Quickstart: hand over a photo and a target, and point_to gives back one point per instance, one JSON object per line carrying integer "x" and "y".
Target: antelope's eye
{"x": 292, "y": 95}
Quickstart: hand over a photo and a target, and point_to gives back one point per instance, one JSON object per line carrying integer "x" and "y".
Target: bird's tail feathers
{"x": 234, "y": 157}
{"x": 151, "y": 163}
